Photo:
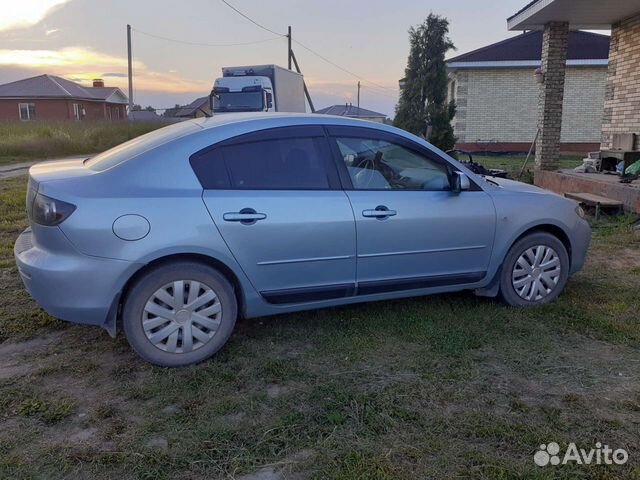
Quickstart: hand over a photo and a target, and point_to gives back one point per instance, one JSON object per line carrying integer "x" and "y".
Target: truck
{"x": 258, "y": 88}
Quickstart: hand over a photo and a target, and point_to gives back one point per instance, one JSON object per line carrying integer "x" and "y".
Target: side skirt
{"x": 328, "y": 292}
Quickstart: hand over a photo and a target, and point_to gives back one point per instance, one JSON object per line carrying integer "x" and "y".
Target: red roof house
{"x": 48, "y": 97}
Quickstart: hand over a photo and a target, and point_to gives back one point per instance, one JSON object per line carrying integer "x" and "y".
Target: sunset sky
{"x": 84, "y": 39}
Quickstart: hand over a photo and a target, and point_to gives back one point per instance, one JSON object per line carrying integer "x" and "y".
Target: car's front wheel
{"x": 535, "y": 271}
{"x": 179, "y": 313}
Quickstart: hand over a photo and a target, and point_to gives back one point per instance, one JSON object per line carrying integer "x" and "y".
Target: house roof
{"x": 530, "y": 4}
{"x": 584, "y": 47}
{"x": 144, "y": 115}
{"x": 109, "y": 94}
{"x": 52, "y": 86}
{"x": 586, "y": 14}
{"x": 350, "y": 111}
{"x": 190, "y": 109}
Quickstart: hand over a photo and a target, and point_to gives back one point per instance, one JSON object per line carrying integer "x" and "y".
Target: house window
{"x": 451, "y": 96}
{"x": 27, "y": 111}
{"x": 78, "y": 111}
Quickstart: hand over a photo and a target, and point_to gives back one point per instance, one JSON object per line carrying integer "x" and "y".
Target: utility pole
{"x": 130, "y": 68}
{"x": 358, "y": 97}
{"x": 304, "y": 84}
{"x": 289, "y": 47}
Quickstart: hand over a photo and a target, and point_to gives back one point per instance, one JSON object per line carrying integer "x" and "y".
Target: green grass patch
{"x": 24, "y": 141}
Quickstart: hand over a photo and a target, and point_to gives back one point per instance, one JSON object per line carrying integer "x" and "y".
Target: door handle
{"x": 246, "y": 215}
{"x": 379, "y": 212}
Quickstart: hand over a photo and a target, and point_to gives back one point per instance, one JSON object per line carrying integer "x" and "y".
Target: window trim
{"x": 336, "y": 131}
{"x": 79, "y": 113}
{"x": 276, "y": 133}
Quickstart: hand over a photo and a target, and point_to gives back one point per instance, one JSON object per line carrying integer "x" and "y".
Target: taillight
{"x": 49, "y": 211}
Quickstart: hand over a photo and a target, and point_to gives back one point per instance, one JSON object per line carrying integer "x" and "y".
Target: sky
{"x": 366, "y": 39}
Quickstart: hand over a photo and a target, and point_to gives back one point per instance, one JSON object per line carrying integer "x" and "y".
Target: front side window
{"x": 278, "y": 164}
{"x": 382, "y": 165}
{"x": 27, "y": 111}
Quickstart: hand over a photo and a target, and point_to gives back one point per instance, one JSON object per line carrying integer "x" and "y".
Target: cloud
{"x": 113, "y": 74}
{"x": 21, "y": 14}
{"x": 83, "y": 65}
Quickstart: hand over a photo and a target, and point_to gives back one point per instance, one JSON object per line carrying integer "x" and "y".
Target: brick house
{"x": 496, "y": 92}
{"x": 557, "y": 19}
{"x": 48, "y": 97}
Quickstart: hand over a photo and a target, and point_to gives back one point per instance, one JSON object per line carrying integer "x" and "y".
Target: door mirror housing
{"x": 269, "y": 100}
{"x": 460, "y": 182}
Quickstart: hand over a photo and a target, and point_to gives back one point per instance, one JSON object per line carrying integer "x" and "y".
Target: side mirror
{"x": 269, "y": 100}
{"x": 460, "y": 182}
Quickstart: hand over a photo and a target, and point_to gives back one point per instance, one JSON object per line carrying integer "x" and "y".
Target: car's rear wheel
{"x": 535, "y": 271}
{"x": 179, "y": 313}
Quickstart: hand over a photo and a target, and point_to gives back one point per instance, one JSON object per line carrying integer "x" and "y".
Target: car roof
{"x": 264, "y": 120}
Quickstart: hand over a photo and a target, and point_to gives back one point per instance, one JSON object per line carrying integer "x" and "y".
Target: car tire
{"x": 179, "y": 314}
{"x": 535, "y": 270}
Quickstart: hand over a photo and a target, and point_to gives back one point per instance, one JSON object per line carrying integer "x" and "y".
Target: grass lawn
{"x": 448, "y": 386}
{"x": 25, "y": 141}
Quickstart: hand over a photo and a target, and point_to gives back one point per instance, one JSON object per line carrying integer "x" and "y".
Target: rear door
{"x": 412, "y": 230}
{"x": 275, "y": 198}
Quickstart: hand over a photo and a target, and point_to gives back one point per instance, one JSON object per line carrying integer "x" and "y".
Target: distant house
{"x": 48, "y": 97}
{"x": 496, "y": 90}
{"x": 348, "y": 110}
{"x": 195, "y": 109}
{"x": 145, "y": 116}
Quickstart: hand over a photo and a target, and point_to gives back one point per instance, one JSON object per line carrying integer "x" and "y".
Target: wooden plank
{"x": 592, "y": 199}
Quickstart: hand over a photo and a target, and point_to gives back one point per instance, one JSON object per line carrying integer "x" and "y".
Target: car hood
{"x": 515, "y": 186}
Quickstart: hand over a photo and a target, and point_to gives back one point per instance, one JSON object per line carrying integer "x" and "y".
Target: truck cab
{"x": 258, "y": 88}
{"x": 243, "y": 94}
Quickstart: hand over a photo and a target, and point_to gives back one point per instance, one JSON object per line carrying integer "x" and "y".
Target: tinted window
{"x": 285, "y": 164}
{"x": 382, "y": 165}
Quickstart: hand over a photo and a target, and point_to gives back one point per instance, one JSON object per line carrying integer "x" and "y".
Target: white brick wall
{"x": 500, "y": 105}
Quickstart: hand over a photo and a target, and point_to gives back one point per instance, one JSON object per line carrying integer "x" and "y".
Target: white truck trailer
{"x": 258, "y": 88}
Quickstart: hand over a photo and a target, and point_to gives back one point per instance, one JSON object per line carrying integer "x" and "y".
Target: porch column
{"x": 554, "y": 60}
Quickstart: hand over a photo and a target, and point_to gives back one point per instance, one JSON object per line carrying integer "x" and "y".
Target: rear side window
{"x": 272, "y": 164}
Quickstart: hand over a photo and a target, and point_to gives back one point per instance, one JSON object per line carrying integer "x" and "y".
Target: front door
{"x": 275, "y": 199}
{"x": 412, "y": 230}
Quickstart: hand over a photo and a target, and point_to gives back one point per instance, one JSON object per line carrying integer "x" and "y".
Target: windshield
{"x": 238, "y": 102}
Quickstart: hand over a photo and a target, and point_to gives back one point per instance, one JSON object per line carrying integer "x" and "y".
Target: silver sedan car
{"x": 173, "y": 235}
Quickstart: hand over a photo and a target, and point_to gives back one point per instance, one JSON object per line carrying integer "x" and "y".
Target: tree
{"x": 423, "y": 108}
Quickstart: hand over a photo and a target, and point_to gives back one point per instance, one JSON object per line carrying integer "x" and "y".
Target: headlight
{"x": 580, "y": 211}
{"x": 49, "y": 211}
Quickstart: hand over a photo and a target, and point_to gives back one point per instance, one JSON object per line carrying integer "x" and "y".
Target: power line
{"x": 391, "y": 92}
{"x": 322, "y": 57}
{"x": 199, "y": 44}
{"x": 251, "y": 19}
